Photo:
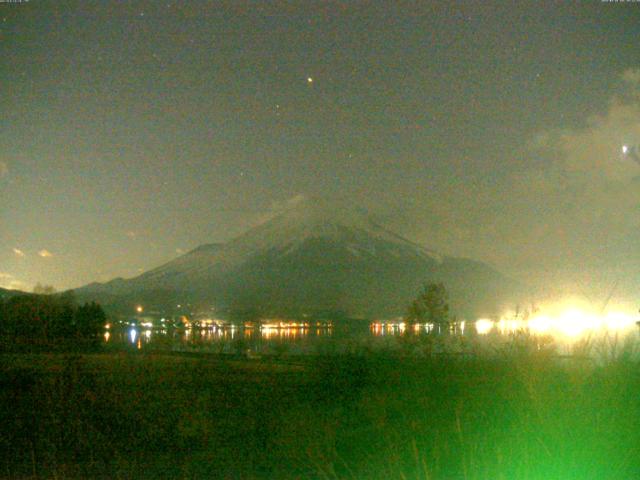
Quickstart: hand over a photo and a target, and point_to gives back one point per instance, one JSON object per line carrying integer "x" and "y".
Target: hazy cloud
{"x": 574, "y": 206}
{"x": 582, "y": 200}
{"x": 588, "y": 161}
{"x": 277, "y": 207}
{"x": 281, "y": 206}
{"x": 8, "y": 281}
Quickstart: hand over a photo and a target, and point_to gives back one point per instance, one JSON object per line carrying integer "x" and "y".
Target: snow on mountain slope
{"x": 284, "y": 234}
{"x": 321, "y": 219}
{"x": 313, "y": 255}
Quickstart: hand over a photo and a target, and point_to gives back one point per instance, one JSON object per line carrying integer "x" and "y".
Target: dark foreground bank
{"x": 127, "y": 415}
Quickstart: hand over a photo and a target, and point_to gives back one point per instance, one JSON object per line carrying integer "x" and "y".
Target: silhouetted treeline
{"x": 49, "y": 318}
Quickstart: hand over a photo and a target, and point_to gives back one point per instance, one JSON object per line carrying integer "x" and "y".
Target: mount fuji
{"x": 312, "y": 258}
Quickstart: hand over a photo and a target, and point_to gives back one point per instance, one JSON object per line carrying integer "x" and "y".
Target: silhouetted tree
{"x": 44, "y": 289}
{"x": 431, "y": 305}
{"x": 49, "y": 318}
{"x": 62, "y": 309}
{"x": 89, "y": 320}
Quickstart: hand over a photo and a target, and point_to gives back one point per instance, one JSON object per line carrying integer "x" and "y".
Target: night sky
{"x": 132, "y": 132}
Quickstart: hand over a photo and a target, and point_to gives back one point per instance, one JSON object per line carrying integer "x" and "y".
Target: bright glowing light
{"x": 509, "y": 325}
{"x": 540, "y": 324}
{"x": 268, "y": 332}
{"x": 309, "y": 80}
{"x": 107, "y": 335}
{"x": 139, "y": 309}
{"x": 573, "y": 323}
{"x": 483, "y": 326}
{"x": 147, "y": 334}
{"x": 132, "y": 335}
{"x": 618, "y": 321}
{"x": 625, "y": 149}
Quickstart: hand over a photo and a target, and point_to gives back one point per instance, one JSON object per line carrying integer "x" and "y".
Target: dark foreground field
{"x": 127, "y": 415}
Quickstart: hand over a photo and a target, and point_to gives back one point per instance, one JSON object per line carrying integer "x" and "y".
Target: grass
{"x": 519, "y": 414}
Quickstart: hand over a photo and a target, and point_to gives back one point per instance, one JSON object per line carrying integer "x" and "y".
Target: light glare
{"x": 483, "y": 326}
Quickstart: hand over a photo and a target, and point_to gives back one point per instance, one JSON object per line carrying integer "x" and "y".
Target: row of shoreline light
{"x": 569, "y": 323}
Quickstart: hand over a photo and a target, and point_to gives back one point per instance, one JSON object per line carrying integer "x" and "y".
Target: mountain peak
{"x": 315, "y": 211}
{"x": 315, "y": 254}
{"x": 313, "y": 218}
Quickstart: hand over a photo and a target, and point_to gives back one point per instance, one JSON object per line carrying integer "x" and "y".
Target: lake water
{"x": 570, "y": 333}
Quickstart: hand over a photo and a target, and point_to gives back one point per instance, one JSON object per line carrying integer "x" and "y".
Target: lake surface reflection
{"x": 565, "y": 334}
